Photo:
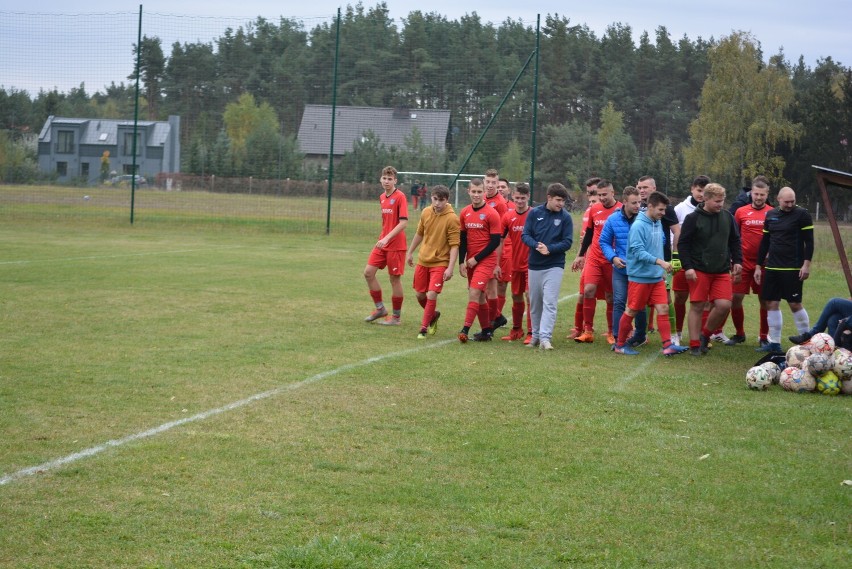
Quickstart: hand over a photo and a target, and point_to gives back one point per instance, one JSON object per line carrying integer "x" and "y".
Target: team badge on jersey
{"x": 481, "y": 216}
{"x": 557, "y": 222}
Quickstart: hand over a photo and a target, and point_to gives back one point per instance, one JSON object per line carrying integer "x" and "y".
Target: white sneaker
{"x": 533, "y": 343}
{"x": 675, "y": 339}
{"x": 720, "y": 337}
{"x": 546, "y": 345}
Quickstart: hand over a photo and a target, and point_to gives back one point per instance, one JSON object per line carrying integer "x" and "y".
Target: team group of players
{"x": 630, "y": 250}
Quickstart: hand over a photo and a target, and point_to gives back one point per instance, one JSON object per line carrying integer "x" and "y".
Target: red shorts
{"x": 747, "y": 283}
{"x": 679, "y": 282}
{"x": 429, "y": 278}
{"x": 710, "y": 287}
{"x": 393, "y": 260}
{"x": 505, "y": 268}
{"x": 479, "y": 276}
{"x": 640, "y": 295}
{"x": 520, "y": 282}
{"x": 600, "y": 294}
{"x": 599, "y": 273}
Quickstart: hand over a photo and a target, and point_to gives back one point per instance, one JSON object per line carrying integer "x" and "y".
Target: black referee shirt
{"x": 788, "y": 239}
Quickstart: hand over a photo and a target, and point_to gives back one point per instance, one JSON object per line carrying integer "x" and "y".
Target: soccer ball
{"x": 846, "y": 387}
{"x": 843, "y": 364}
{"x": 821, "y": 343}
{"x": 828, "y": 384}
{"x": 758, "y": 378}
{"x": 818, "y": 364}
{"x": 773, "y": 369}
{"x": 796, "y": 380}
{"x": 796, "y": 356}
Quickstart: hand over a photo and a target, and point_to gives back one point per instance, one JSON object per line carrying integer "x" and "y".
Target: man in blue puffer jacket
{"x": 613, "y": 242}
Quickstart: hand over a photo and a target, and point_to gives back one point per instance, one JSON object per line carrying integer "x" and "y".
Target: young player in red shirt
{"x": 495, "y": 199}
{"x": 506, "y": 264}
{"x": 478, "y": 263}
{"x": 592, "y": 197}
{"x": 749, "y": 219}
{"x": 513, "y": 229}
{"x": 389, "y": 250}
{"x": 597, "y": 271}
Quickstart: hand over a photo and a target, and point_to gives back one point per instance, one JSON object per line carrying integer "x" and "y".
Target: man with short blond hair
{"x": 710, "y": 253}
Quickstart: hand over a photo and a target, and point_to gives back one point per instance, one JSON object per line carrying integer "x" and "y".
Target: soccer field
{"x": 202, "y": 396}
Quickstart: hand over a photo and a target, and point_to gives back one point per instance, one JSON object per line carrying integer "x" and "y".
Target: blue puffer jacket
{"x": 613, "y": 239}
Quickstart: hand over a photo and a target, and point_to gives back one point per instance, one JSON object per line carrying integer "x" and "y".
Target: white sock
{"x": 775, "y": 321}
{"x": 802, "y": 321}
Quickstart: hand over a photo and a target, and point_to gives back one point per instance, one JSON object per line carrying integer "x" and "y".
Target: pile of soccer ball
{"x": 813, "y": 366}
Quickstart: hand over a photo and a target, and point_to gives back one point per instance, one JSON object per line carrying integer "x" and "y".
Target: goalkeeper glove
{"x": 676, "y": 265}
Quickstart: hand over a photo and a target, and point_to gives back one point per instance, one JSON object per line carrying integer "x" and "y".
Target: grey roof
{"x": 390, "y": 125}
{"x": 92, "y": 129}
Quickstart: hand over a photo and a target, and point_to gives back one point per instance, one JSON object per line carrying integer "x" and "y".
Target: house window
{"x": 65, "y": 142}
{"x": 84, "y": 170}
{"x": 62, "y": 168}
{"x": 128, "y": 169}
{"x": 127, "y": 144}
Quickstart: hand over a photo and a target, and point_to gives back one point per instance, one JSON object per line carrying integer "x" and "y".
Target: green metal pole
{"x": 333, "y": 117}
{"x": 135, "y": 117}
{"x": 492, "y": 119}
{"x": 535, "y": 101}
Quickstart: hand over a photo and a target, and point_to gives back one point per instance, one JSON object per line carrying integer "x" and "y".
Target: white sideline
{"x": 92, "y": 451}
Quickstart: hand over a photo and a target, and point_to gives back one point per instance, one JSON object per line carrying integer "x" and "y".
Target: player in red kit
{"x": 749, "y": 219}
{"x": 389, "y": 250}
{"x": 597, "y": 271}
{"x": 513, "y": 229}
{"x": 506, "y": 263}
{"x": 592, "y": 197}
{"x": 495, "y": 199}
{"x": 478, "y": 263}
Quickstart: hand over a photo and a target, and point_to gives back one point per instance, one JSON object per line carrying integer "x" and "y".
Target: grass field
{"x": 207, "y": 395}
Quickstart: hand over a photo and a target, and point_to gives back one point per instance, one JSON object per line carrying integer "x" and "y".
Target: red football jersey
{"x": 394, "y": 208}
{"x": 498, "y": 202}
{"x": 750, "y": 222}
{"x": 513, "y": 226}
{"x": 479, "y": 224}
{"x": 598, "y": 214}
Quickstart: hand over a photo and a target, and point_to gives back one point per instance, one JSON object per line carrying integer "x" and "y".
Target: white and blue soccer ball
{"x": 758, "y": 378}
{"x": 796, "y": 380}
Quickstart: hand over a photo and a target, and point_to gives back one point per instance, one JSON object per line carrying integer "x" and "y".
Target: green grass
{"x": 433, "y": 454}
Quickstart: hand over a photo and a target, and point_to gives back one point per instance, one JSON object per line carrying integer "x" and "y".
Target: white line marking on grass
{"x": 92, "y": 451}
{"x": 637, "y": 371}
{"x": 90, "y": 257}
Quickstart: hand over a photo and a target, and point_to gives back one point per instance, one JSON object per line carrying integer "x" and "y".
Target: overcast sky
{"x": 814, "y": 29}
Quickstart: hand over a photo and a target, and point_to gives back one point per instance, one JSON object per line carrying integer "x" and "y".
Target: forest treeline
{"x": 606, "y": 105}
